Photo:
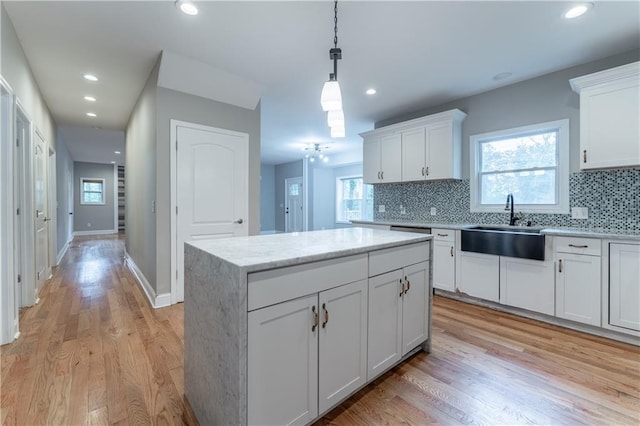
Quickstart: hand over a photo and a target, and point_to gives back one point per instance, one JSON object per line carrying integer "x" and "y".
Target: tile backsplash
{"x": 612, "y": 197}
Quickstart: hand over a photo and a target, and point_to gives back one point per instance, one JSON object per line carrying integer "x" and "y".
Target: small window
{"x": 92, "y": 191}
{"x": 354, "y": 199}
{"x": 529, "y": 162}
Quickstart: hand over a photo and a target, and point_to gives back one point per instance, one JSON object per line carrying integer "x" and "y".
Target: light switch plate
{"x": 403, "y": 210}
{"x": 579, "y": 212}
{"x": 433, "y": 211}
{"x": 381, "y": 208}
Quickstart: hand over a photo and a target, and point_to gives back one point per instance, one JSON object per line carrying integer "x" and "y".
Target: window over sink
{"x": 530, "y": 162}
{"x": 354, "y": 199}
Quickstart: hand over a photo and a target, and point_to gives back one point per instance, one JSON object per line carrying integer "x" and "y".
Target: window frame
{"x": 82, "y": 191}
{"x": 338, "y": 208}
{"x": 562, "y": 168}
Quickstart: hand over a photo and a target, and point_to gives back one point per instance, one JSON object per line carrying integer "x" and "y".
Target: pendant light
{"x": 331, "y": 97}
{"x": 335, "y": 118}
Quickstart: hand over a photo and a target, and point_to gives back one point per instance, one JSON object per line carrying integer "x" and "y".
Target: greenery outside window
{"x": 354, "y": 199}
{"x": 92, "y": 191}
{"x": 530, "y": 162}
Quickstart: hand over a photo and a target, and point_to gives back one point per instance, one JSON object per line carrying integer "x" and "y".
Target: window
{"x": 354, "y": 199}
{"x": 531, "y": 162}
{"x": 92, "y": 191}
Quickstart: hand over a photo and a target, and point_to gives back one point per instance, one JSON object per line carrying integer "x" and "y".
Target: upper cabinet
{"x": 426, "y": 148}
{"x": 609, "y": 117}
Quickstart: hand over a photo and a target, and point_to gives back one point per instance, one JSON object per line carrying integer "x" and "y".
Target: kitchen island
{"x": 282, "y": 328}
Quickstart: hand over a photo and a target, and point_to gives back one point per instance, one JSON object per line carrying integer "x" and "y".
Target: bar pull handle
{"x": 423, "y": 171}
{"x": 578, "y": 246}
{"x": 584, "y": 156}
{"x": 382, "y": 175}
{"x": 408, "y": 285}
{"x": 451, "y": 251}
{"x": 326, "y": 315}
{"x": 402, "y": 285}
{"x": 443, "y": 235}
{"x": 316, "y": 319}
{"x": 560, "y": 265}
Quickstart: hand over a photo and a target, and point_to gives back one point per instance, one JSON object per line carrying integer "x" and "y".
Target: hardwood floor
{"x": 94, "y": 352}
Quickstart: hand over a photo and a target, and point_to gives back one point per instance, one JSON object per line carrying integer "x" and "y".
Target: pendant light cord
{"x": 335, "y": 24}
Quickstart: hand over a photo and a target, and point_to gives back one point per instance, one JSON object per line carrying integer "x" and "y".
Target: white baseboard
{"x": 62, "y": 253}
{"x": 268, "y": 231}
{"x": 96, "y": 232}
{"x": 156, "y": 301}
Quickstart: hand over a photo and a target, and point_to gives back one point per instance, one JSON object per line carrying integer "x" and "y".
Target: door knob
{"x": 46, "y": 219}
{"x": 239, "y": 221}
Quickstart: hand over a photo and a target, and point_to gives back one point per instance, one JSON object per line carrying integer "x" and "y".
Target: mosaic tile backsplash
{"x": 612, "y": 197}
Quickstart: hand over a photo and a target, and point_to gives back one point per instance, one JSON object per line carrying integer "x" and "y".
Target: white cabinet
{"x": 444, "y": 259}
{"x": 306, "y": 355}
{"x": 398, "y": 306}
{"x": 425, "y": 148}
{"x": 382, "y": 159}
{"x": 478, "y": 275}
{"x": 624, "y": 286}
{"x": 578, "y": 285}
{"x": 609, "y": 117}
{"x": 527, "y": 284}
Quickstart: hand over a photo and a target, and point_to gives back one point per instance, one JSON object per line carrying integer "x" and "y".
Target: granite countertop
{"x": 262, "y": 252}
{"x": 561, "y": 232}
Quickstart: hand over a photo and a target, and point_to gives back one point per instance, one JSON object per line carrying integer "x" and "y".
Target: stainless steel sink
{"x": 512, "y": 241}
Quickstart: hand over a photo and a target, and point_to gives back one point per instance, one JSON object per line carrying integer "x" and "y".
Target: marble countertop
{"x": 613, "y": 234}
{"x": 262, "y": 252}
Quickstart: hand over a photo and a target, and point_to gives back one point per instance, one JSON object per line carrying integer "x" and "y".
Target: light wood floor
{"x": 94, "y": 352}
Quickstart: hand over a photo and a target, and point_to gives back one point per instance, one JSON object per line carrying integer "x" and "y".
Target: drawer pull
{"x": 326, "y": 315}
{"x": 402, "y": 285}
{"x": 578, "y": 246}
{"x": 316, "y": 319}
{"x": 443, "y": 235}
{"x": 451, "y": 251}
{"x": 584, "y": 156}
{"x": 559, "y": 265}
{"x": 408, "y": 285}
{"x": 423, "y": 171}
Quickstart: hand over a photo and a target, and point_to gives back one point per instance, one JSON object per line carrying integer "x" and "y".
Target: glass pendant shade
{"x": 331, "y": 98}
{"x": 337, "y": 132}
{"x": 335, "y": 118}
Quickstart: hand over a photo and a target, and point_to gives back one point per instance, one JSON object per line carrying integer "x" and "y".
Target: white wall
{"x": 94, "y": 218}
{"x": 267, "y": 198}
{"x": 324, "y": 194}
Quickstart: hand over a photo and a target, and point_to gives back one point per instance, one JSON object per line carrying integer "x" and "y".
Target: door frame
{"x": 173, "y": 162}
{"x": 286, "y": 203}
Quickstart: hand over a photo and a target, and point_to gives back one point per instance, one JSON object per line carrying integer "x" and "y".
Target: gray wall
{"x": 140, "y": 140}
{"x": 96, "y": 217}
{"x": 194, "y": 109}
{"x": 64, "y": 192}
{"x": 323, "y": 197}
{"x": 267, "y": 197}
{"x": 541, "y": 99}
{"x": 282, "y": 172}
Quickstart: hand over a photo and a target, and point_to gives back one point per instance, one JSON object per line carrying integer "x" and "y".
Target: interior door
{"x": 40, "y": 190}
{"x": 212, "y": 188}
{"x": 293, "y": 205}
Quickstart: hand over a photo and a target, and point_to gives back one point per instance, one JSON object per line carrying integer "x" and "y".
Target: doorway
{"x": 24, "y": 238}
{"x": 293, "y": 196}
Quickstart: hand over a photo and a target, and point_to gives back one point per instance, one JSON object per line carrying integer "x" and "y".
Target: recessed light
{"x": 113, "y": 162}
{"x": 577, "y": 10}
{"x": 371, "y": 91}
{"x": 502, "y": 76}
{"x": 187, "y": 7}
{"x": 91, "y": 77}
{"x": 89, "y": 98}
{"x": 116, "y": 152}
{"x": 91, "y": 114}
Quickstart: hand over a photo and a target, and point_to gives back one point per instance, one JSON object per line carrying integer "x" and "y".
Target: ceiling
{"x": 416, "y": 54}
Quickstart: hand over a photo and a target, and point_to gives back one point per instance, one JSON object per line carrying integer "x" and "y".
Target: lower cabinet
{"x": 444, "y": 259}
{"x": 527, "y": 284}
{"x": 307, "y": 354}
{"x": 624, "y": 286}
{"x": 478, "y": 275}
{"x": 398, "y": 311}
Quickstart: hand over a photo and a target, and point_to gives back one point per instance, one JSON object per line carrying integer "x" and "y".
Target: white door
{"x": 415, "y": 302}
{"x": 371, "y": 161}
{"x": 212, "y": 168}
{"x": 343, "y": 343}
{"x": 624, "y": 286}
{"x": 293, "y": 204}
{"x": 391, "y": 159}
{"x": 52, "y": 208}
{"x": 578, "y": 288}
{"x": 69, "y": 236}
{"x": 440, "y": 154}
{"x": 40, "y": 190}
{"x": 413, "y": 155}
{"x": 282, "y": 354}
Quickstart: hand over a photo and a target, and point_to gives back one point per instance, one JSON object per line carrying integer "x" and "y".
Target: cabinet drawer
{"x": 381, "y": 261}
{"x": 443, "y": 234}
{"x": 278, "y": 285}
{"x": 588, "y": 246}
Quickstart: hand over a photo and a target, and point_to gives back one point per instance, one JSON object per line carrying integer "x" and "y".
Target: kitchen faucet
{"x": 512, "y": 218}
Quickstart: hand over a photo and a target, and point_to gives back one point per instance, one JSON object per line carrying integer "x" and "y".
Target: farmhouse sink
{"x": 512, "y": 241}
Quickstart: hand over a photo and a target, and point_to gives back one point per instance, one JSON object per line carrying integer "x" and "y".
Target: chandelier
{"x": 331, "y": 97}
{"x": 315, "y": 152}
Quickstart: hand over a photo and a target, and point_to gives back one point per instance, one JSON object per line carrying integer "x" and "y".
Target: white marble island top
{"x": 261, "y": 252}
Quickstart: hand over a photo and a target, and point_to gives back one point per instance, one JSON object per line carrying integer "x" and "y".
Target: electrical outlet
{"x": 88, "y": 225}
{"x": 403, "y": 210}
{"x": 381, "y": 208}
{"x": 579, "y": 212}
{"x": 433, "y": 211}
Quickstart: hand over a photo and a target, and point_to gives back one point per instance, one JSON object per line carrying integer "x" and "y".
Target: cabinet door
{"x": 371, "y": 161}
{"x": 391, "y": 158}
{"x": 343, "y": 343}
{"x": 413, "y": 155}
{"x": 478, "y": 275}
{"x": 527, "y": 284}
{"x": 385, "y": 322}
{"x": 610, "y": 125}
{"x": 283, "y": 363}
{"x": 444, "y": 265}
{"x": 578, "y": 294}
{"x": 440, "y": 156}
{"x": 415, "y": 303}
{"x": 624, "y": 285}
